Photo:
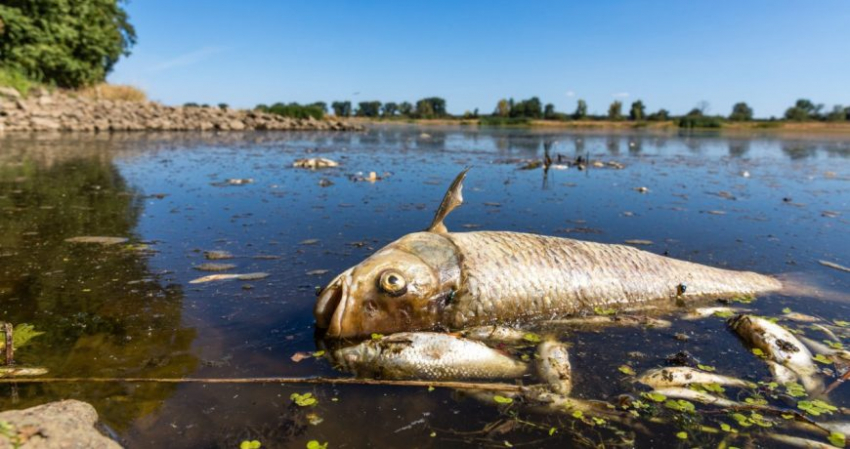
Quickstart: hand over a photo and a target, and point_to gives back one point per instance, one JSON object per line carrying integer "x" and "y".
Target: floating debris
{"x": 97, "y": 239}
{"x": 238, "y": 181}
{"x": 531, "y": 165}
{"x": 314, "y": 163}
{"x": 316, "y": 272}
{"x": 834, "y": 265}
{"x": 21, "y": 371}
{"x": 214, "y": 267}
{"x": 642, "y": 189}
{"x": 217, "y": 255}
{"x": 638, "y": 242}
{"x": 325, "y": 182}
{"x": 309, "y": 242}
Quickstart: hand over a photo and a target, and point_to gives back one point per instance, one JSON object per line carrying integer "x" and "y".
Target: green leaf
{"x": 502, "y": 399}
{"x": 682, "y": 435}
{"x": 578, "y": 414}
{"x": 603, "y": 311}
{"x": 532, "y": 338}
{"x": 376, "y": 336}
{"x": 795, "y": 390}
{"x": 552, "y": 431}
{"x": 680, "y": 405}
{"x": 319, "y": 353}
{"x": 430, "y": 388}
{"x": 822, "y": 359}
{"x": 653, "y": 396}
{"x": 725, "y": 427}
{"x": 21, "y": 335}
{"x": 837, "y": 439}
{"x": 758, "y": 352}
{"x": 313, "y": 444}
{"x": 708, "y": 368}
{"x": 252, "y": 444}
{"x": 627, "y": 370}
{"x": 842, "y": 323}
{"x": 724, "y": 314}
{"x": 303, "y": 400}
{"x": 786, "y": 310}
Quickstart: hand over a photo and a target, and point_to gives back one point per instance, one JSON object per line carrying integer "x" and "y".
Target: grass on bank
{"x": 113, "y": 92}
{"x": 16, "y": 80}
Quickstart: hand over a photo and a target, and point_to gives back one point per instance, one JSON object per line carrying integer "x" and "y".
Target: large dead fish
{"x": 450, "y": 280}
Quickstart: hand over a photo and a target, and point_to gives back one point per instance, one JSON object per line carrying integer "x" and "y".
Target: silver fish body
{"x": 427, "y": 355}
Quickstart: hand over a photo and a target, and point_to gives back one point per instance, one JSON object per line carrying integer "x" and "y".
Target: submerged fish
{"x": 427, "y": 355}
{"x": 553, "y": 366}
{"x": 780, "y": 346}
{"x": 438, "y": 279}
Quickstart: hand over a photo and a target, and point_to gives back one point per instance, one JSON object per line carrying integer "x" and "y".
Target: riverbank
{"x": 671, "y": 125}
{"x": 42, "y": 110}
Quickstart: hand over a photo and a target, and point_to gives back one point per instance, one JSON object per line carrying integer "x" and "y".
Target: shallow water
{"x": 129, "y": 310}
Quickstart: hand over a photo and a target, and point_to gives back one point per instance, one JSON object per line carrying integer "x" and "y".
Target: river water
{"x": 766, "y": 203}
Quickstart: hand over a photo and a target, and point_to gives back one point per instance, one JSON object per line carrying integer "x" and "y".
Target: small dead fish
{"x": 705, "y": 312}
{"x": 21, "y": 371}
{"x": 834, "y": 265}
{"x": 791, "y": 440}
{"x": 97, "y": 239}
{"x": 682, "y": 376}
{"x": 780, "y": 346}
{"x": 314, "y": 163}
{"x": 238, "y": 181}
{"x": 638, "y": 242}
{"x": 214, "y": 267}
{"x": 225, "y": 277}
{"x": 553, "y": 366}
{"x": 501, "y": 334}
{"x": 217, "y": 255}
{"x": 824, "y": 349}
{"x": 800, "y": 317}
{"x": 427, "y": 355}
{"x": 696, "y": 396}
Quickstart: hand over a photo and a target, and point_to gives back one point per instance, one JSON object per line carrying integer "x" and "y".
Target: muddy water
{"x": 763, "y": 203}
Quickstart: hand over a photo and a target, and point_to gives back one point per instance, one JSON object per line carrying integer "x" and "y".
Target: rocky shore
{"x": 43, "y": 111}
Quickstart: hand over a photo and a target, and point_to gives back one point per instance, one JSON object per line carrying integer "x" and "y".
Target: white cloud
{"x": 620, "y": 95}
{"x": 571, "y": 93}
{"x": 186, "y": 59}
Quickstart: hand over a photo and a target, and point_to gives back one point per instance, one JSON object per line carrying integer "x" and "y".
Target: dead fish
{"x": 696, "y": 396}
{"x": 218, "y": 255}
{"x": 682, "y": 376}
{"x": 780, "y": 346}
{"x": 21, "y": 371}
{"x": 800, "y": 317}
{"x": 834, "y": 265}
{"x": 781, "y": 374}
{"x": 97, "y": 239}
{"x": 225, "y": 277}
{"x": 314, "y": 163}
{"x": 705, "y": 312}
{"x": 427, "y": 355}
{"x": 791, "y": 440}
{"x": 437, "y": 279}
{"x": 553, "y": 366}
{"x": 501, "y": 334}
{"x": 824, "y": 349}
{"x": 599, "y": 321}
{"x": 214, "y": 267}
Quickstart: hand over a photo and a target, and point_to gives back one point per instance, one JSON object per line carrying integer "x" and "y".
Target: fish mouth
{"x": 331, "y": 306}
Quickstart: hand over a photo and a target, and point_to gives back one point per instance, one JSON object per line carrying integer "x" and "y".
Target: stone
{"x": 64, "y": 424}
{"x": 10, "y": 93}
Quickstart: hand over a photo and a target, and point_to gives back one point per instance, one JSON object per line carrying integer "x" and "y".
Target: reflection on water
{"x": 129, "y": 310}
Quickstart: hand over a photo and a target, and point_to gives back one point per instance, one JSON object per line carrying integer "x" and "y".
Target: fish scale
{"x": 511, "y": 275}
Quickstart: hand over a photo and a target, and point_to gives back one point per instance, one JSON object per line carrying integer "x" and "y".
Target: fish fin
{"x": 453, "y": 199}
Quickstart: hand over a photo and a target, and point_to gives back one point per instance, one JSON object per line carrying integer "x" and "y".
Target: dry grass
{"x": 114, "y": 92}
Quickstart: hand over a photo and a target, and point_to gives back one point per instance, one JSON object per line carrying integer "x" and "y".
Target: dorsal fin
{"x": 453, "y": 199}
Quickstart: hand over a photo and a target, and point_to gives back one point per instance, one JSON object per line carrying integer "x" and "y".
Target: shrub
{"x": 114, "y": 92}
{"x": 16, "y": 80}
{"x": 694, "y": 121}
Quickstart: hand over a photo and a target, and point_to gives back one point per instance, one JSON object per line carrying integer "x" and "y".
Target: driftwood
{"x": 484, "y": 386}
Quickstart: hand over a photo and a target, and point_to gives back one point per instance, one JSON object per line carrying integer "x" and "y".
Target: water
{"x": 129, "y": 309}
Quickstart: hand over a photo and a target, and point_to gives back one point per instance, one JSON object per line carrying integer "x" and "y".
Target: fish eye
{"x": 392, "y": 282}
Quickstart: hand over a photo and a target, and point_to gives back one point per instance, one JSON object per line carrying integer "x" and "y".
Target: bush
{"x": 295, "y": 110}
{"x": 68, "y": 43}
{"x": 114, "y": 92}
{"x": 504, "y": 121}
{"x": 699, "y": 121}
{"x": 16, "y": 80}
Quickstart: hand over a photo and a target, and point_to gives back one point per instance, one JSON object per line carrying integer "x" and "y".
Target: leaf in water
{"x": 680, "y": 405}
{"x": 502, "y": 399}
{"x": 834, "y": 344}
{"x": 603, "y": 311}
{"x": 724, "y": 314}
{"x": 578, "y": 414}
{"x": 708, "y": 368}
{"x": 532, "y": 338}
{"x": 376, "y": 336}
{"x": 433, "y": 434}
{"x": 682, "y": 435}
{"x": 756, "y": 401}
{"x": 552, "y": 431}
{"x": 304, "y": 400}
{"x": 252, "y": 444}
{"x": 837, "y": 439}
{"x": 758, "y": 352}
{"x": 822, "y": 359}
{"x": 786, "y": 310}
{"x": 313, "y": 444}
{"x": 627, "y": 370}
{"x": 842, "y": 323}
{"x": 795, "y": 390}
{"x": 653, "y": 396}
{"x": 430, "y": 388}
{"x": 319, "y": 353}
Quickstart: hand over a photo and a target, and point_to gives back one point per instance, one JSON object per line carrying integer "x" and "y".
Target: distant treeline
{"x": 509, "y": 111}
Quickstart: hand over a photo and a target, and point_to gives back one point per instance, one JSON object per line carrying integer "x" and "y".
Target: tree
{"x": 389, "y": 109}
{"x": 531, "y": 108}
{"x": 660, "y": 116}
{"x": 615, "y": 111}
{"x": 803, "y": 109}
{"x": 341, "y": 108}
{"x": 581, "y": 110}
{"x": 741, "y": 112}
{"x": 69, "y": 43}
{"x": 368, "y": 108}
{"x": 637, "y": 111}
{"x": 703, "y": 107}
{"x": 223, "y": 106}
{"x": 503, "y": 109}
{"x": 838, "y": 114}
{"x": 405, "y": 109}
{"x": 431, "y": 107}
{"x": 320, "y": 105}
{"x": 549, "y": 111}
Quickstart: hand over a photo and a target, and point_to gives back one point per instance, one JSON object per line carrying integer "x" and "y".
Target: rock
{"x": 9, "y": 93}
{"x": 64, "y": 424}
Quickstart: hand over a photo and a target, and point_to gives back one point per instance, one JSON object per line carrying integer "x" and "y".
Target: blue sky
{"x": 670, "y": 54}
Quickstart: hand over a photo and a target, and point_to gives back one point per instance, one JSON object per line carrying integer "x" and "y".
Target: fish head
{"x": 404, "y": 286}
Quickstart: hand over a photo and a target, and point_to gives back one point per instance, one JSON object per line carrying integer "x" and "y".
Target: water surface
{"x": 763, "y": 203}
